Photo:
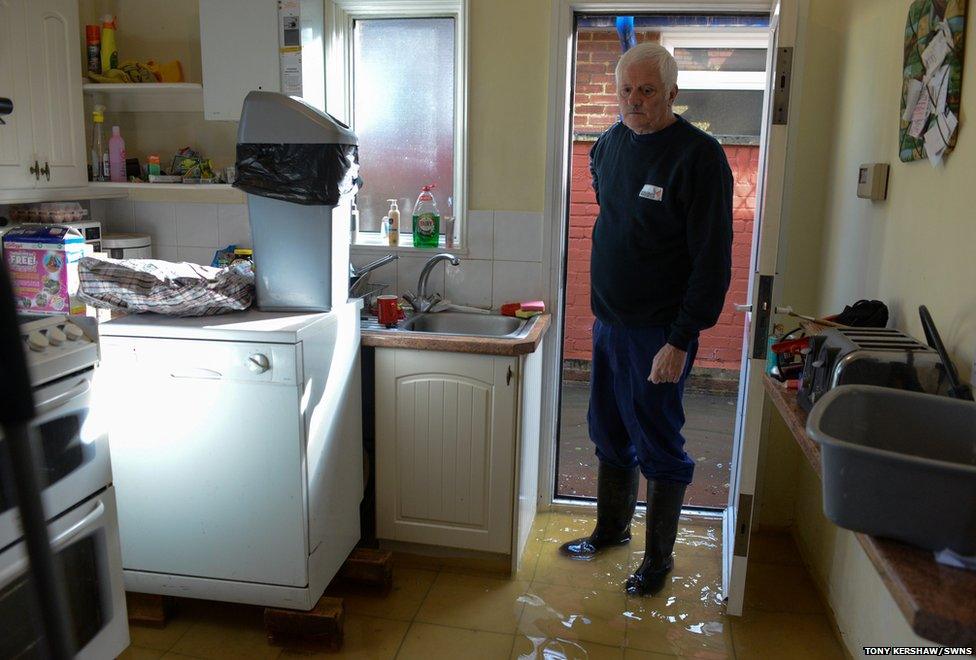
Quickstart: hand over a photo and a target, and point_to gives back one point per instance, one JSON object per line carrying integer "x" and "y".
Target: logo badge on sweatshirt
{"x": 652, "y": 192}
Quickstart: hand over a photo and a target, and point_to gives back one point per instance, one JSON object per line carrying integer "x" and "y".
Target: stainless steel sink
{"x": 460, "y": 323}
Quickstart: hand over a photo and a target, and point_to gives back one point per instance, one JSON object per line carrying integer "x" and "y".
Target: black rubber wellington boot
{"x": 616, "y": 499}
{"x": 664, "y": 499}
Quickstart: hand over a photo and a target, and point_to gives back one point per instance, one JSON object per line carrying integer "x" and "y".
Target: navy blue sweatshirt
{"x": 662, "y": 243}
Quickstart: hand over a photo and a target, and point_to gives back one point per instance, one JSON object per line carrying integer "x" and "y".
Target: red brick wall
{"x": 594, "y": 110}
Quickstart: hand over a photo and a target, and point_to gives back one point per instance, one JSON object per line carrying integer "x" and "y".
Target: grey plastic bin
{"x": 899, "y": 464}
{"x": 296, "y": 163}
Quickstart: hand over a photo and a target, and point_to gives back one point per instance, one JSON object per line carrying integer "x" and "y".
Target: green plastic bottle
{"x": 426, "y": 220}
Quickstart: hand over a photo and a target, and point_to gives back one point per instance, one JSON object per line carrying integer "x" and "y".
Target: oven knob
{"x": 73, "y": 332}
{"x": 258, "y": 363}
{"x": 37, "y": 341}
{"x": 56, "y": 337}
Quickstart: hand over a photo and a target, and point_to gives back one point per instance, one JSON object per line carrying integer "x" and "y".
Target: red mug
{"x": 388, "y": 310}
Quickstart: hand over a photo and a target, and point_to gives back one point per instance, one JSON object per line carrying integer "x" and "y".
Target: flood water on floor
{"x": 554, "y": 607}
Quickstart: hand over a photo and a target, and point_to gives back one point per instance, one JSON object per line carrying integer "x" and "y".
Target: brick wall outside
{"x": 594, "y": 110}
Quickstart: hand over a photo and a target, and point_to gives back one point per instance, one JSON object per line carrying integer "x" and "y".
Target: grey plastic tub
{"x": 899, "y": 464}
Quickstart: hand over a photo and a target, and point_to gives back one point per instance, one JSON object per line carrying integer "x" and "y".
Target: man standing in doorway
{"x": 661, "y": 264}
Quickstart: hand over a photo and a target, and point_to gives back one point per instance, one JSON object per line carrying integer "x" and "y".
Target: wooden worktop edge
{"x": 460, "y": 343}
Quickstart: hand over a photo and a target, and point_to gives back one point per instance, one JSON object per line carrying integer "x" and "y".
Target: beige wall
{"x": 507, "y": 98}
{"x": 912, "y": 249}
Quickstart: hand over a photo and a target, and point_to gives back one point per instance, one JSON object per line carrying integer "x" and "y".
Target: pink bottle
{"x": 116, "y": 156}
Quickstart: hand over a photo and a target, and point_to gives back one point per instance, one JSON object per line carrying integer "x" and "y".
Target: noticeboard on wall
{"x": 934, "y": 38}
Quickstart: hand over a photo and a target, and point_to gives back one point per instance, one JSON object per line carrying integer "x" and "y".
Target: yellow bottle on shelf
{"x": 110, "y": 52}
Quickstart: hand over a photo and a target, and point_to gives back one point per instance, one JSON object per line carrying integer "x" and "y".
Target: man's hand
{"x": 668, "y": 365}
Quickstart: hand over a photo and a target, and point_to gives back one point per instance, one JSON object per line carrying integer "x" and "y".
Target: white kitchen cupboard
{"x": 456, "y": 451}
{"x": 42, "y": 144}
{"x": 239, "y": 52}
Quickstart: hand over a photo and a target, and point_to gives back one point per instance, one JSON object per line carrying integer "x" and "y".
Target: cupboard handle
{"x": 36, "y": 170}
{"x": 46, "y": 171}
{"x": 508, "y": 377}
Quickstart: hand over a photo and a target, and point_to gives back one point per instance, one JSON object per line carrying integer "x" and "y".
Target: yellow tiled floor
{"x": 553, "y": 608}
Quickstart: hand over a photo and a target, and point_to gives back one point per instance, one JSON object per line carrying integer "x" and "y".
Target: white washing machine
{"x": 236, "y": 447}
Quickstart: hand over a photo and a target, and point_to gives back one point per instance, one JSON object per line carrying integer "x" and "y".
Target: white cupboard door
{"x": 445, "y": 448}
{"x": 16, "y": 133}
{"x": 56, "y": 100}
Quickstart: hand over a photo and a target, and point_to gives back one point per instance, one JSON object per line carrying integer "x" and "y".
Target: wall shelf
{"x": 210, "y": 193}
{"x": 147, "y": 97}
{"x": 31, "y": 195}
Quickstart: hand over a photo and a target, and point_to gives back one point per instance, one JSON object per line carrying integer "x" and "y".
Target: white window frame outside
{"x": 340, "y": 17}
{"x": 705, "y": 80}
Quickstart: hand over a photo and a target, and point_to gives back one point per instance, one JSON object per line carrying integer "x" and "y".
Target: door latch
{"x": 508, "y": 376}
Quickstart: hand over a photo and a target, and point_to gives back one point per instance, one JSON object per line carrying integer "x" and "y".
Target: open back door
{"x": 773, "y": 154}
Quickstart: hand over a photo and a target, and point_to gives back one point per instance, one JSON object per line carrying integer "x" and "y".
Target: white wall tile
{"x": 408, "y": 273}
{"x": 158, "y": 219}
{"x": 196, "y": 224}
{"x": 166, "y": 252}
{"x": 479, "y": 234}
{"x": 197, "y": 255}
{"x": 116, "y": 216}
{"x": 233, "y": 226}
{"x": 517, "y": 236}
{"x": 516, "y": 281}
{"x": 469, "y": 283}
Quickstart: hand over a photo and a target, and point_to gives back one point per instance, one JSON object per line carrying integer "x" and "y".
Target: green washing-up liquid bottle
{"x": 426, "y": 220}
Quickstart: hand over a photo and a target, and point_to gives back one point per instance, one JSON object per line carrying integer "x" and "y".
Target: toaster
{"x": 869, "y": 356}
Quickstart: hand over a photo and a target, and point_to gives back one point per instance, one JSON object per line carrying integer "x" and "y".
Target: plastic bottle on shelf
{"x": 393, "y": 235}
{"x": 426, "y": 220}
{"x": 116, "y": 156}
{"x": 110, "y": 52}
{"x": 98, "y": 153}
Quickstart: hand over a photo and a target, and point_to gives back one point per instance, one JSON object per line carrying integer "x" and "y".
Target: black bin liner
{"x": 310, "y": 174}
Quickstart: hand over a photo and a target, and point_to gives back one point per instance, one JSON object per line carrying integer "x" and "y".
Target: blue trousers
{"x": 632, "y": 421}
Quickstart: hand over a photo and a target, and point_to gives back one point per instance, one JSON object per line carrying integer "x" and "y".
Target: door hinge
{"x": 781, "y": 85}
{"x": 762, "y": 316}
{"x": 743, "y": 526}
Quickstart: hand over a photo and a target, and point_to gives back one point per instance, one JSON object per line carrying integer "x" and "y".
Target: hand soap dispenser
{"x": 393, "y": 234}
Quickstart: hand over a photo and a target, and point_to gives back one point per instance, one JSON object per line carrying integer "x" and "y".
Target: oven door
{"x": 85, "y": 544}
{"x": 73, "y": 452}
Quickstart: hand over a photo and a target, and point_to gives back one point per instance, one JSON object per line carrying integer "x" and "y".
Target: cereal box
{"x": 43, "y": 265}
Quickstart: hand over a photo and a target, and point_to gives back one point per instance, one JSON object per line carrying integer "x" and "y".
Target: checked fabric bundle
{"x": 163, "y": 287}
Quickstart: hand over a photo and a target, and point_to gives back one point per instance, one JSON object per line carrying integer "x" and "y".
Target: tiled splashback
{"x": 501, "y": 263}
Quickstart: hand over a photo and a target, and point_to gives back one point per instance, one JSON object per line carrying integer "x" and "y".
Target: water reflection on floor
{"x": 553, "y": 608}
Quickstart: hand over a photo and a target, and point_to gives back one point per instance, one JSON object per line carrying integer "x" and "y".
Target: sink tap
{"x": 422, "y": 302}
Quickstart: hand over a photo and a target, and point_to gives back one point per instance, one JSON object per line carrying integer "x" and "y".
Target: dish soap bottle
{"x": 116, "y": 156}
{"x": 394, "y": 230}
{"x": 98, "y": 154}
{"x": 426, "y": 220}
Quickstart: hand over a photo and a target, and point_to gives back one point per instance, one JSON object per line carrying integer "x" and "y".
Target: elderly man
{"x": 661, "y": 265}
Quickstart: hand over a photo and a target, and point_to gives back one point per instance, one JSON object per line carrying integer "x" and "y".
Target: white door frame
{"x": 554, "y": 226}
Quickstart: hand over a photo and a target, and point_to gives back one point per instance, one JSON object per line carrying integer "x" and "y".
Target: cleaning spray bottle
{"x": 110, "y": 52}
{"x": 426, "y": 220}
{"x": 393, "y": 235}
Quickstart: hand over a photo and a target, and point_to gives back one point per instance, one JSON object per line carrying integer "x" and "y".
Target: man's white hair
{"x": 651, "y": 53}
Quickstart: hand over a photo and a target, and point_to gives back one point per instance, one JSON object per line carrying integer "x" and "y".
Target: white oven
{"x": 85, "y": 545}
{"x": 73, "y": 451}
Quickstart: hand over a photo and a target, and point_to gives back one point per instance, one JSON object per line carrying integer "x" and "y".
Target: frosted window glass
{"x": 403, "y": 112}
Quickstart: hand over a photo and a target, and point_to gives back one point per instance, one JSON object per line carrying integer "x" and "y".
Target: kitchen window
{"x": 721, "y": 79}
{"x": 397, "y": 74}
